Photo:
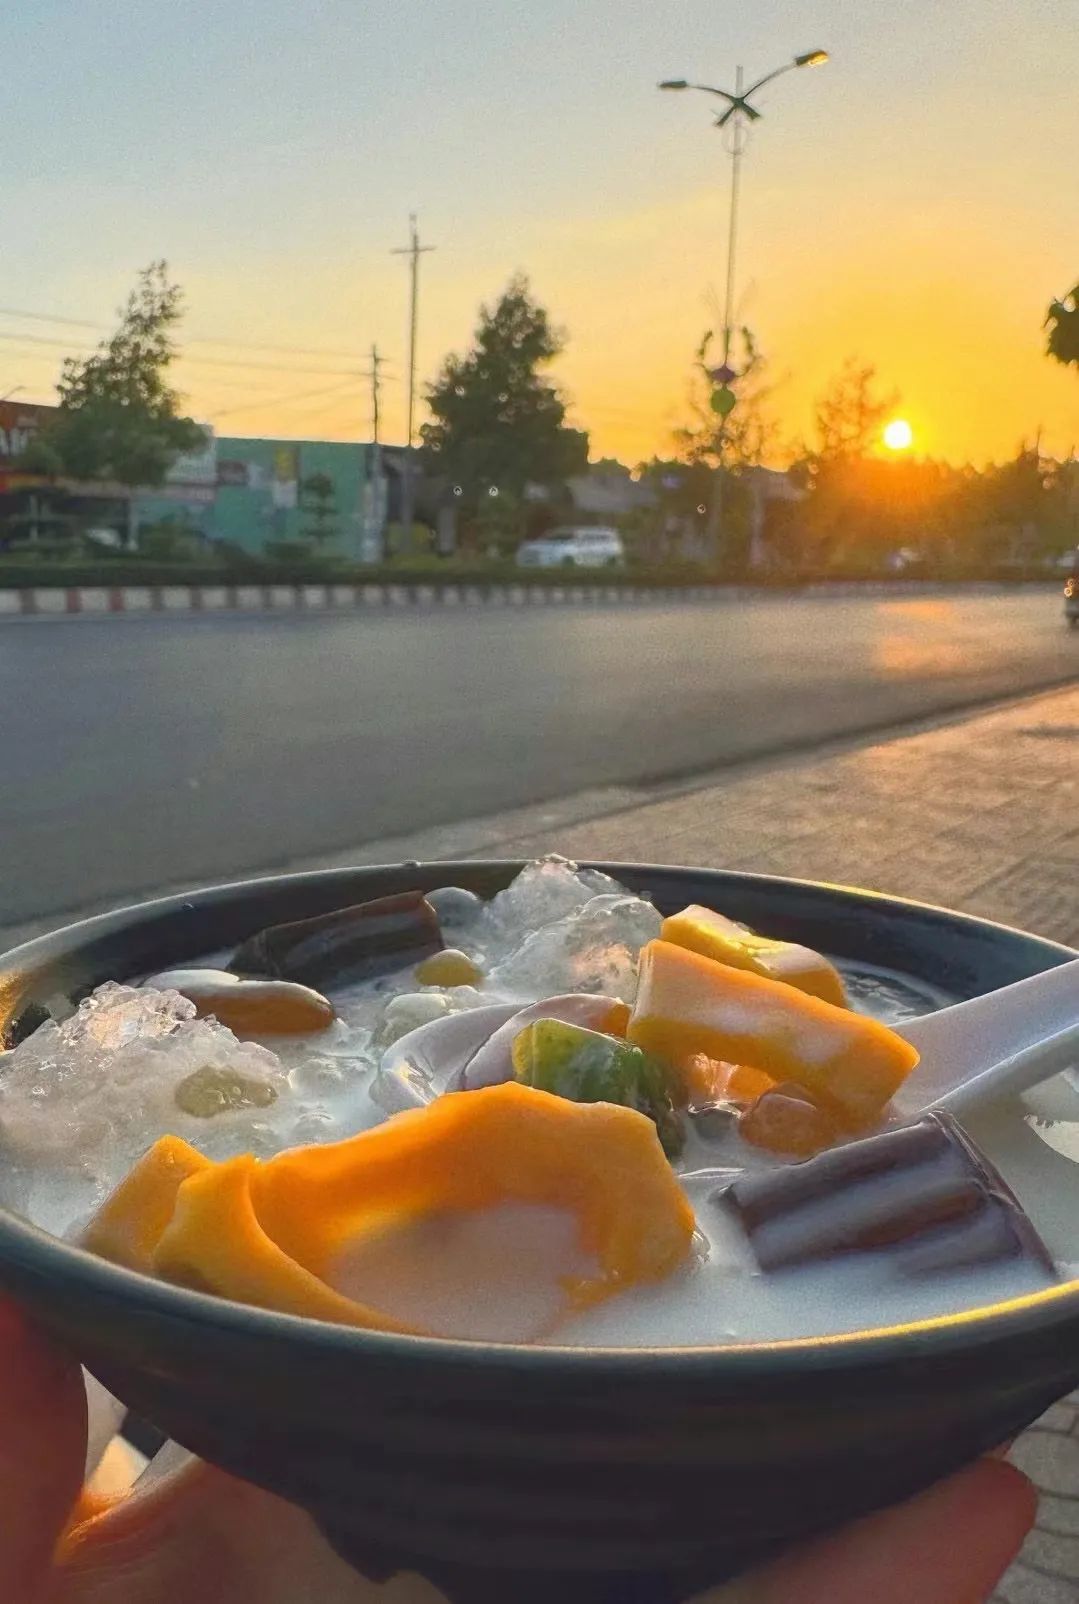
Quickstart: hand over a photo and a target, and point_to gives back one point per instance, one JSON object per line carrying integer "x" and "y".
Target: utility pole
{"x": 413, "y": 250}
{"x": 377, "y": 521}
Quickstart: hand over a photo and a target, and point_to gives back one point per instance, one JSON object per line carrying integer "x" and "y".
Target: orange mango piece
{"x": 715, "y": 936}
{"x": 270, "y": 1233}
{"x": 129, "y": 1224}
{"x": 784, "y": 1120}
{"x": 615, "y": 1021}
{"x": 710, "y": 1080}
{"x": 689, "y": 1004}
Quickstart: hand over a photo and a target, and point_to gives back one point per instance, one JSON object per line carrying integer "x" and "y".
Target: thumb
{"x": 42, "y": 1451}
{"x": 197, "y": 1532}
{"x": 948, "y": 1545}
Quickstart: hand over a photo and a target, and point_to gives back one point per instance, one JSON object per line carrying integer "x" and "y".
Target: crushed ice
{"x": 80, "y": 1102}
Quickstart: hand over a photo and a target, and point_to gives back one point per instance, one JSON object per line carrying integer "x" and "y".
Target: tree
{"x": 850, "y": 413}
{"x": 1062, "y": 322}
{"x": 319, "y": 490}
{"x": 118, "y": 418}
{"x": 843, "y": 524}
{"x": 496, "y": 421}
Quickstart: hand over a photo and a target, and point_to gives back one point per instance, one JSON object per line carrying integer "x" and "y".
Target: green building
{"x": 254, "y": 493}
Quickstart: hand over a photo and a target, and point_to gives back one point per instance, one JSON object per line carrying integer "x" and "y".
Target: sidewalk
{"x": 980, "y": 814}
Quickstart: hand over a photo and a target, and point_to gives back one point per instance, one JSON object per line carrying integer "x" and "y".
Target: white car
{"x": 573, "y": 548}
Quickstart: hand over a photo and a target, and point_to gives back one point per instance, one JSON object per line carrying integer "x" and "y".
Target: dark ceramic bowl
{"x": 527, "y": 1474}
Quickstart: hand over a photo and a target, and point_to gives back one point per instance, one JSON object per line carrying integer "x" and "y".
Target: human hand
{"x": 202, "y": 1537}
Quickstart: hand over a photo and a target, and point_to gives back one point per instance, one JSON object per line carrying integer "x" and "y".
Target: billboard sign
{"x": 19, "y": 423}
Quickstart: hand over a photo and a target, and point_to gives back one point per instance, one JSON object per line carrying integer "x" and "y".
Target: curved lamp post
{"x": 736, "y": 117}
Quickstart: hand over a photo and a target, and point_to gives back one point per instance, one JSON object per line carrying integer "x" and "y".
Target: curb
{"x": 143, "y": 600}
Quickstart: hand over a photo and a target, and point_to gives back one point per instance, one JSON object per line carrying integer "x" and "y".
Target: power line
{"x": 46, "y": 317}
{"x": 282, "y": 400}
{"x": 191, "y": 339}
{"x": 180, "y": 355}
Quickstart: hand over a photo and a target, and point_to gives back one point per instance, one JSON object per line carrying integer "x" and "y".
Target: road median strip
{"x": 93, "y": 601}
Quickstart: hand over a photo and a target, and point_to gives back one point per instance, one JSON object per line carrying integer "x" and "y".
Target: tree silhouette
{"x": 1062, "y": 321}
{"x": 118, "y": 418}
{"x": 496, "y": 422}
{"x": 319, "y": 491}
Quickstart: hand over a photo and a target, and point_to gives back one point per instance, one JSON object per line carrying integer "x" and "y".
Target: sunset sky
{"x": 914, "y": 203}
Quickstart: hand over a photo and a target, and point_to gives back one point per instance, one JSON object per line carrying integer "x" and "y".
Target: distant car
{"x": 1071, "y": 601}
{"x": 573, "y": 548}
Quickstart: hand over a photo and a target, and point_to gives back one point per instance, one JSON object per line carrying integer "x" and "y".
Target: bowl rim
{"x": 41, "y": 1256}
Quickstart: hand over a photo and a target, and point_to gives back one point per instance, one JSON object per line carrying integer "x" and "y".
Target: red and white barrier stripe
{"x": 87, "y": 601}
{"x": 82, "y": 600}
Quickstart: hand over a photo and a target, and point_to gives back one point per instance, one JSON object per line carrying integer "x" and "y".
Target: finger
{"x": 198, "y": 1529}
{"x": 949, "y": 1545}
{"x": 42, "y": 1451}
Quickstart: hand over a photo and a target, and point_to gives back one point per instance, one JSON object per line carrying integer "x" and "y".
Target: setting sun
{"x": 898, "y": 434}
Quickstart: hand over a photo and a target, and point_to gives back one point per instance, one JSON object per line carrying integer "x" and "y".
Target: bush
{"x": 30, "y": 566}
{"x": 296, "y": 553}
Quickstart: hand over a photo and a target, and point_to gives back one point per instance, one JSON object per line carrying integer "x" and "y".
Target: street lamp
{"x": 737, "y": 115}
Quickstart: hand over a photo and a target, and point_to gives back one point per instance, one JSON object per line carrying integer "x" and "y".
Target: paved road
{"x": 136, "y": 752}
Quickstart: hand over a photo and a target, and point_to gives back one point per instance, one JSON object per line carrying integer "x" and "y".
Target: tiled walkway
{"x": 983, "y": 816}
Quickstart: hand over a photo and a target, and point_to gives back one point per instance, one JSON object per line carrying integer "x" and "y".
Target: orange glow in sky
{"x": 890, "y": 212}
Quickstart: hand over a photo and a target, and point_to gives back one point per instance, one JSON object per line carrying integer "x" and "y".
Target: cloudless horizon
{"x": 911, "y": 204}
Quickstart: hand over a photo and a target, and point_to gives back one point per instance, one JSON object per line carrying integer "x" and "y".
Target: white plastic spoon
{"x": 993, "y": 1046}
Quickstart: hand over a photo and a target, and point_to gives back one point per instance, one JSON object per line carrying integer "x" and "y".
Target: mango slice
{"x": 270, "y": 1233}
{"x": 689, "y": 1004}
{"x": 129, "y": 1224}
{"x": 715, "y": 936}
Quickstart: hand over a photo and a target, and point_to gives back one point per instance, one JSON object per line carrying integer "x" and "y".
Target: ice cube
{"x": 80, "y": 1102}
{"x": 548, "y": 889}
{"x": 594, "y": 948}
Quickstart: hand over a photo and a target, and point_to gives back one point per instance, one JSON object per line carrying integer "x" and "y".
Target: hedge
{"x": 21, "y": 575}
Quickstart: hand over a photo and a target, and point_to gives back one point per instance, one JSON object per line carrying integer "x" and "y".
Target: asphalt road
{"x": 140, "y": 752}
